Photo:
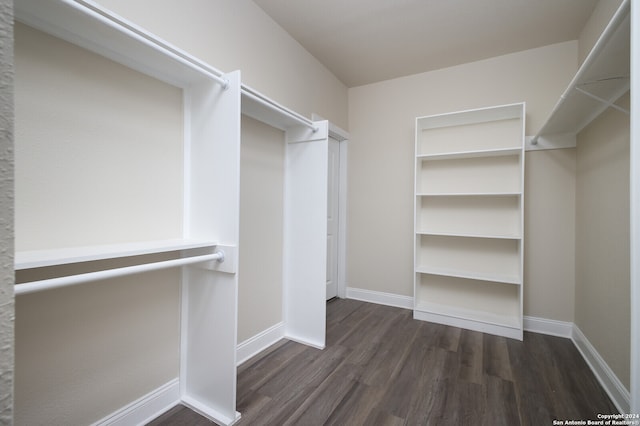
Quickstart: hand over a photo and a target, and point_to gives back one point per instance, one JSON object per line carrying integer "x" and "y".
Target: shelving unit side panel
{"x": 470, "y": 137}
{"x": 213, "y": 200}
{"x": 209, "y": 339}
{"x": 305, "y": 237}
{"x": 487, "y": 301}
{"x": 210, "y": 298}
{"x": 484, "y": 174}
{"x": 469, "y": 215}
{"x": 470, "y": 255}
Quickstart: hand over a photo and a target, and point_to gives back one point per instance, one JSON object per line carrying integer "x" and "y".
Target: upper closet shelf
{"x": 471, "y": 154}
{"x": 261, "y": 108}
{"x": 63, "y": 256}
{"x": 600, "y": 81}
{"x": 85, "y": 24}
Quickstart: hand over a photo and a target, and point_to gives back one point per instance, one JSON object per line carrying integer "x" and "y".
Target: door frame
{"x": 342, "y": 136}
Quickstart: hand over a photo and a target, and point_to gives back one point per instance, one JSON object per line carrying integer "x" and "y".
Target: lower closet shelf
{"x": 482, "y": 321}
{"x": 459, "y": 273}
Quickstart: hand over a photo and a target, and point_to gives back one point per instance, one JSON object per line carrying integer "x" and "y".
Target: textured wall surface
{"x": 6, "y": 212}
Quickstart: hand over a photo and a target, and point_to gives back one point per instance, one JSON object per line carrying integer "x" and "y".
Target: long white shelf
{"x": 468, "y": 194}
{"x": 63, "y": 256}
{"x": 459, "y": 273}
{"x": 260, "y": 107}
{"x": 467, "y": 235}
{"x": 600, "y": 81}
{"x": 469, "y": 314}
{"x": 116, "y": 38}
{"x": 471, "y": 154}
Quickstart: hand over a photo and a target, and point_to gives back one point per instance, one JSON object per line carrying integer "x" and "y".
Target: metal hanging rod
{"x": 52, "y": 283}
{"x": 136, "y": 33}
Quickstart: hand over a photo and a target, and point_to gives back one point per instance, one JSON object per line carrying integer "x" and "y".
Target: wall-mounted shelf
{"x": 63, "y": 256}
{"x": 471, "y": 154}
{"x": 469, "y": 194}
{"x": 89, "y": 26}
{"x": 600, "y": 81}
{"x": 260, "y": 107}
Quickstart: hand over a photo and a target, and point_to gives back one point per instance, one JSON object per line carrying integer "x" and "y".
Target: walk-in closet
{"x": 225, "y": 212}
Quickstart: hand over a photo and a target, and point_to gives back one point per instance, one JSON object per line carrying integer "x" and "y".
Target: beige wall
{"x": 261, "y": 228}
{"x": 99, "y": 157}
{"x": 237, "y": 34}
{"x": 602, "y": 294}
{"x": 381, "y": 126}
{"x": 549, "y": 274}
{"x": 83, "y": 352}
{"x": 602, "y": 238}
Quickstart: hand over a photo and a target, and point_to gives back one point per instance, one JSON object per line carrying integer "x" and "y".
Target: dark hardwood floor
{"x": 381, "y": 367}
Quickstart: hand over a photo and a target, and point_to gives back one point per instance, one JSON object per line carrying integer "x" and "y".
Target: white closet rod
{"x": 604, "y": 38}
{"x": 278, "y": 108}
{"x": 134, "y": 32}
{"x": 51, "y": 283}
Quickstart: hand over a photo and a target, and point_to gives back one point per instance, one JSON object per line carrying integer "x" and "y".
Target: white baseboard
{"x": 607, "y": 378}
{"x": 380, "y": 298}
{"x": 146, "y": 408}
{"x": 210, "y": 413}
{"x": 548, "y": 326}
{"x": 259, "y": 342}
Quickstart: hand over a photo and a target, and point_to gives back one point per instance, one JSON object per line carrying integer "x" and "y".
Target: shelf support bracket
{"x": 604, "y": 101}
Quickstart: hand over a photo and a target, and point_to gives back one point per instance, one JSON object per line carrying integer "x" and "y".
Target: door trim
{"x": 342, "y": 136}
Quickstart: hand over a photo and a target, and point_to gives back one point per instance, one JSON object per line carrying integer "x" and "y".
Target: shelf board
{"x": 103, "y": 32}
{"x": 469, "y": 194}
{"x": 260, "y": 107}
{"x": 471, "y": 154}
{"x": 458, "y": 273}
{"x": 63, "y": 256}
{"x": 467, "y": 235}
{"x": 478, "y": 115}
{"x": 469, "y": 314}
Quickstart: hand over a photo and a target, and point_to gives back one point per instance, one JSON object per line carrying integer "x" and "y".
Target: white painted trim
{"x": 342, "y": 219}
{"x": 261, "y": 341}
{"x": 456, "y": 321}
{"x": 548, "y": 326}
{"x": 380, "y": 298}
{"x": 304, "y": 341}
{"x": 607, "y": 378}
{"x": 342, "y": 136}
{"x": 210, "y": 413}
{"x": 146, "y": 408}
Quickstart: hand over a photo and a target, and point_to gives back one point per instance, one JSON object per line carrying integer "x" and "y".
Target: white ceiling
{"x": 365, "y": 41}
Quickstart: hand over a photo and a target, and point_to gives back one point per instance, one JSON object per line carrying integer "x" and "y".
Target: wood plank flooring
{"x": 381, "y": 367}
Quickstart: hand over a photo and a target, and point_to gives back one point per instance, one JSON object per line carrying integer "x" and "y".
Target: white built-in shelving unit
{"x": 207, "y": 252}
{"x": 469, "y": 183}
